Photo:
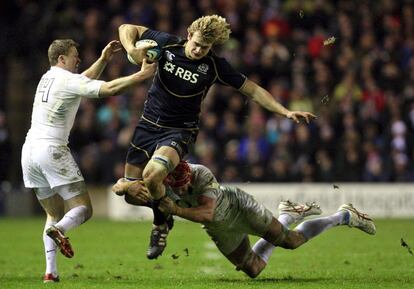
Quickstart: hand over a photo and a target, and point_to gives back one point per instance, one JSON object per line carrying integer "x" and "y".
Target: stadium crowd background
{"x": 361, "y": 86}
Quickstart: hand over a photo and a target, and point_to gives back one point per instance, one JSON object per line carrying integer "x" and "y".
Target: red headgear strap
{"x": 180, "y": 176}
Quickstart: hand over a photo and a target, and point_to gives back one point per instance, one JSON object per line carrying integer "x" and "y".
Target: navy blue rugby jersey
{"x": 180, "y": 84}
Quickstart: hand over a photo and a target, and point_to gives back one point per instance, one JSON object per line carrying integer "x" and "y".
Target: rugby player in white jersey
{"x": 47, "y": 164}
{"x": 229, "y": 215}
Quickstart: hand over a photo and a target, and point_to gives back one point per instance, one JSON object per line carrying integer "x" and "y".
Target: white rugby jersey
{"x": 56, "y": 102}
{"x": 203, "y": 182}
{"x": 234, "y": 207}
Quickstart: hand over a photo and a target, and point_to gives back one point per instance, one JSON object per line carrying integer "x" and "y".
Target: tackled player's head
{"x": 180, "y": 178}
{"x": 205, "y": 32}
{"x": 66, "y": 51}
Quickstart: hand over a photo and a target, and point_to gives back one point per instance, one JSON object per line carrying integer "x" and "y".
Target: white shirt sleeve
{"x": 81, "y": 85}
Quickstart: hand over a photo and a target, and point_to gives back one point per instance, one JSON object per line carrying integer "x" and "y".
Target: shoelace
{"x": 300, "y": 209}
{"x": 361, "y": 215}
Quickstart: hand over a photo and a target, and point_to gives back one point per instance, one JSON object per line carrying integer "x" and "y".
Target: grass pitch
{"x": 112, "y": 255}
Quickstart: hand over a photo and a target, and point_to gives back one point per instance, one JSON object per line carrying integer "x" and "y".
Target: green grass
{"x": 112, "y": 255}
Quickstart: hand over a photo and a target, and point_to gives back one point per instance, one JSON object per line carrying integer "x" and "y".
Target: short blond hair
{"x": 213, "y": 29}
{"x": 60, "y": 47}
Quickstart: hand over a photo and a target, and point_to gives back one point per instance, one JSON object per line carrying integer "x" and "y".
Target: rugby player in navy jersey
{"x": 187, "y": 68}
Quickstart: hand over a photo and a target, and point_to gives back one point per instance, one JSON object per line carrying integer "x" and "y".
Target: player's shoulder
{"x": 197, "y": 166}
{"x": 218, "y": 60}
{"x": 199, "y": 169}
{"x": 60, "y": 72}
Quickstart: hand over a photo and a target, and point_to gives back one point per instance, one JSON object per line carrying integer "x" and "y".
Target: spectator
{"x": 360, "y": 85}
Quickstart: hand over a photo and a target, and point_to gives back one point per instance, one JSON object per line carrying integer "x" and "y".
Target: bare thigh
{"x": 133, "y": 171}
{"x": 159, "y": 172}
{"x": 156, "y": 171}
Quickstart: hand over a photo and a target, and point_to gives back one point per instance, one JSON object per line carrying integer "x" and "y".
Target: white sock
{"x": 314, "y": 227}
{"x": 50, "y": 251}
{"x": 74, "y": 218}
{"x": 286, "y": 220}
{"x": 263, "y": 248}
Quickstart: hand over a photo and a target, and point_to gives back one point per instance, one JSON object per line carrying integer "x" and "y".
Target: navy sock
{"x": 159, "y": 218}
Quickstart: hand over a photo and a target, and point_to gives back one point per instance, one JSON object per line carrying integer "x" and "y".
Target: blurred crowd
{"x": 349, "y": 62}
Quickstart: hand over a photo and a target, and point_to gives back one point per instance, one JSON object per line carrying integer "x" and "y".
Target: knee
{"x": 293, "y": 240}
{"x": 290, "y": 245}
{"x": 253, "y": 271}
{"x": 88, "y": 212}
{"x": 253, "y": 266}
{"x": 54, "y": 217}
{"x": 156, "y": 170}
{"x": 152, "y": 179}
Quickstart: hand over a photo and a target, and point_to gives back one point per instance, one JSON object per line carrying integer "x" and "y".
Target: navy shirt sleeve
{"x": 227, "y": 75}
{"x": 162, "y": 38}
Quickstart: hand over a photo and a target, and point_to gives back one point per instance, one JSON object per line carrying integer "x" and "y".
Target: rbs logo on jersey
{"x": 181, "y": 72}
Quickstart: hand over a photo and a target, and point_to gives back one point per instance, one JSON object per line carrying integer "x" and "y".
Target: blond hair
{"x": 213, "y": 29}
{"x": 59, "y": 47}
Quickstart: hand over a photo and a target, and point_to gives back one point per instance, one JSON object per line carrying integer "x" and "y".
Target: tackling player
{"x": 47, "y": 164}
{"x": 229, "y": 215}
{"x": 187, "y": 68}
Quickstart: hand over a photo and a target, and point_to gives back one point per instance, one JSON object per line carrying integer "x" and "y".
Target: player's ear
{"x": 62, "y": 59}
{"x": 189, "y": 35}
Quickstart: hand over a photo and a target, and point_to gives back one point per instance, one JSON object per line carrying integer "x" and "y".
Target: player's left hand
{"x": 110, "y": 49}
{"x": 135, "y": 189}
{"x": 297, "y": 115}
{"x": 167, "y": 206}
{"x": 140, "y": 191}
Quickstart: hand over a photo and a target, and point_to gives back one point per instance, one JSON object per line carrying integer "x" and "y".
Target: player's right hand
{"x": 110, "y": 49}
{"x": 167, "y": 206}
{"x": 140, "y": 53}
{"x": 147, "y": 69}
{"x": 136, "y": 189}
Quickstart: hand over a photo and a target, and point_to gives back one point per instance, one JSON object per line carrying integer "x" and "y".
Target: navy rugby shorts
{"x": 148, "y": 137}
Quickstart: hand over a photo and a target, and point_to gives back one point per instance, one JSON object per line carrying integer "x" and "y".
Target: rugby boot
{"x": 359, "y": 220}
{"x": 50, "y": 278}
{"x": 61, "y": 241}
{"x": 158, "y": 241}
{"x": 299, "y": 211}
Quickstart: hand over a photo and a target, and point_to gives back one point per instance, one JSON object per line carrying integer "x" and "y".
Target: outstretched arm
{"x": 201, "y": 214}
{"x": 120, "y": 85}
{"x": 265, "y": 99}
{"x": 96, "y": 69}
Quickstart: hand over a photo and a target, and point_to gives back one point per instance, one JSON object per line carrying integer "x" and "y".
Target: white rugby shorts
{"x": 242, "y": 216}
{"x": 48, "y": 165}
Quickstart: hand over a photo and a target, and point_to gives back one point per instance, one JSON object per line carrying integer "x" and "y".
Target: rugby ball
{"x": 153, "y": 53}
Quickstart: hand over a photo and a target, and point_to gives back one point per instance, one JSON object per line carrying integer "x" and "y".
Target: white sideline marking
{"x": 212, "y": 255}
{"x": 210, "y": 245}
{"x": 211, "y": 251}
{"x": 209, "y": 270}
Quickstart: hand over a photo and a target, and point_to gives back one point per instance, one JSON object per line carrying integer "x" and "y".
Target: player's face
{"x": 72, "y": 60}
{"x": 195, "y": 47}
